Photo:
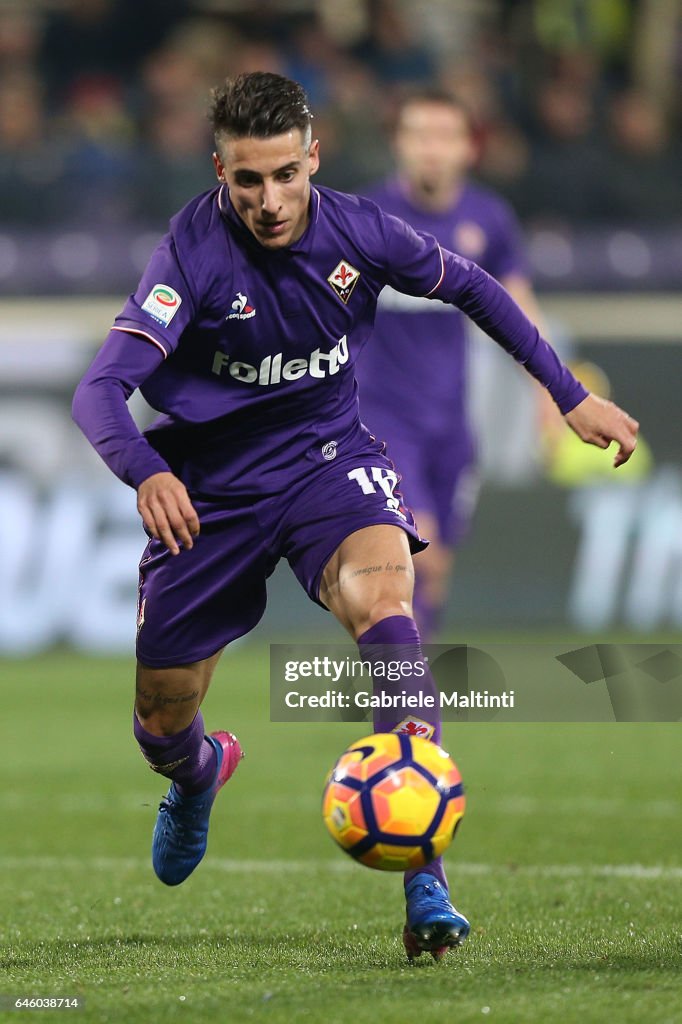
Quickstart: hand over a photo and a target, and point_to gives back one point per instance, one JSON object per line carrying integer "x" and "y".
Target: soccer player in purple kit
{"x": 243, "y": 333}
{"x": 413, "y": 377}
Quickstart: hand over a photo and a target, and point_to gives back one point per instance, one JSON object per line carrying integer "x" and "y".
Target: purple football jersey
{"x": 413, "y": 374}
{"x": 249, "y": 354}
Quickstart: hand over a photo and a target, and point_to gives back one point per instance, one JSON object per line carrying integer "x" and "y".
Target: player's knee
{"x": 434, "y": 585}
{"x": 166, "y": 701}
{"x": 382, "y": 608}
{"x": 164, "y": 721}
{"x": 433, "y": 570}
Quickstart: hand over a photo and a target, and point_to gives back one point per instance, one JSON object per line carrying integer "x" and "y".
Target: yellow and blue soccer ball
{"x": 393, "y": 801}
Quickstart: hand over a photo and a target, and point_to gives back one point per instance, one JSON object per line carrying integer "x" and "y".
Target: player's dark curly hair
{"x": 259, "y": 104}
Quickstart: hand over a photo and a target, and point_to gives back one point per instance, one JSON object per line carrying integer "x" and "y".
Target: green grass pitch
{"x": 568, "y": 863}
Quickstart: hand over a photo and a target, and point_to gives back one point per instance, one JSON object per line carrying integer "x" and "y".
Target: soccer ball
{"x": 393, "y": 801}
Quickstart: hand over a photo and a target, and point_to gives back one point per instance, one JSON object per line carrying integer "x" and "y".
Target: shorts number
{"x": 387, "y": 480}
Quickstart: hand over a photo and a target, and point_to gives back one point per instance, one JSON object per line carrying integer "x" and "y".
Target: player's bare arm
{"x": 598, "y": 421}
{"x": 167, "y": 512}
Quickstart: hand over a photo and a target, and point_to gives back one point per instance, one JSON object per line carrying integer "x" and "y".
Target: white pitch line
{"x": 141, "y": 802}
{"x": 269, "y": 867}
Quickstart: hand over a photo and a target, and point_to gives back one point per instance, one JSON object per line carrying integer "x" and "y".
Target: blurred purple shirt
{"x": 420, "y": 348}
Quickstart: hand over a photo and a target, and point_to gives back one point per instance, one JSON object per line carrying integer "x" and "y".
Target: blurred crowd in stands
{"x": 103, "y": 102}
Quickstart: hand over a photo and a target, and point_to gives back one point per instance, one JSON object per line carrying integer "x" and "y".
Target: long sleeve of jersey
{"x": 100, "y": 406}
{"x": 417, "y": 265}
{"x": 486, "y": 302}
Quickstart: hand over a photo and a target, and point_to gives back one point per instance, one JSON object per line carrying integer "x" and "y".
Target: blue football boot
{"x": 181, "y": 831}
{"x": 433, "y": 925}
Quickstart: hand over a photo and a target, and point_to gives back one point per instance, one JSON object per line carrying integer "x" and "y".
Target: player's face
{"x": 433, "y": 145}
{"x": 269, "y": 182}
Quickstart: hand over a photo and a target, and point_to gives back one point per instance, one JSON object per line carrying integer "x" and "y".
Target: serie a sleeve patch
{"x": 162, "y": 303}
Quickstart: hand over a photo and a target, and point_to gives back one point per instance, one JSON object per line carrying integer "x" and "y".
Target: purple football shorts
{"x": 191, "y": 605}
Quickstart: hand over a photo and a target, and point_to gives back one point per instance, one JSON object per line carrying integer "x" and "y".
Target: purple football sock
{"x": 188, "y": 758}
{"x": 397, "y": 639}
{"x": 434, "y": 867}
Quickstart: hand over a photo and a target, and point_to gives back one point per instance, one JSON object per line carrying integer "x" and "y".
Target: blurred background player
{"x": 413, "y": 376}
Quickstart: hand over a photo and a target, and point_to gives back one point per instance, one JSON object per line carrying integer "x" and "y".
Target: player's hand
{"x": 167, "y": 512}
{"x": 598, "y": 421}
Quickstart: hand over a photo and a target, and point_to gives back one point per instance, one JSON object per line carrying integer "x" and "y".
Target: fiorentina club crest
{"x": 343, "y": 279}
{"x": 469, "y": 239}
{"x": 411, "y": 726}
